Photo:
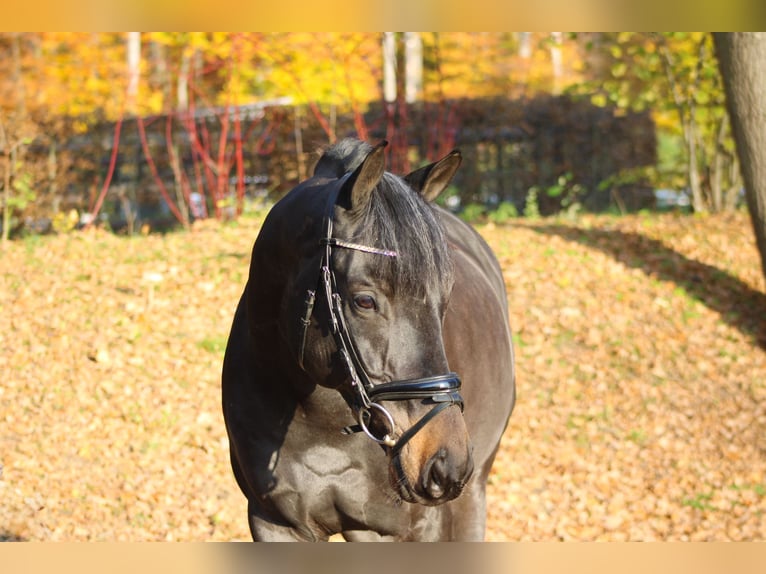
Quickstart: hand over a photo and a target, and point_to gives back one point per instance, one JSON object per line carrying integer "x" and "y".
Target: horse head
{"x": 367, "y": 308}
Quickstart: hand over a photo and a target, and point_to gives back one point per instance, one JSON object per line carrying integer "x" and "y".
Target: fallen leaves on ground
{"x": 641, "y": 357}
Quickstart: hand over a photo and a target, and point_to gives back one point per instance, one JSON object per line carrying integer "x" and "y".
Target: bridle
{"x": 441, "y": 390}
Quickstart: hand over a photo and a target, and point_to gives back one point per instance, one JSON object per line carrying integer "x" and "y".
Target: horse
{"x": 369, "y": 373}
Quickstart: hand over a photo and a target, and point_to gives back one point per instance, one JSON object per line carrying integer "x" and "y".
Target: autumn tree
{"x": 75, "y": 81}
{"x": 741, "y": 56}
{"x": 16, "y": 134}
{"x": 509, "y": 64}
{"x": 676, "y": 76}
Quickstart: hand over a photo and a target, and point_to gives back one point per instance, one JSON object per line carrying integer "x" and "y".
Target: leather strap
{"x": 443, "y": 390}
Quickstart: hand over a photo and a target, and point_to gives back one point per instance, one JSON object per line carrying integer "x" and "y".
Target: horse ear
{"x": 357, "y": 189}
{"x": 434, "y": 178}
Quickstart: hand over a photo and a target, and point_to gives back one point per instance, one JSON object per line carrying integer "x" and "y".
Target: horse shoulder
{"x": 477, "y": 337}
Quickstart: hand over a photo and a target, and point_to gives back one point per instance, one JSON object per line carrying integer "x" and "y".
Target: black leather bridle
{"x": 441, "y": 390}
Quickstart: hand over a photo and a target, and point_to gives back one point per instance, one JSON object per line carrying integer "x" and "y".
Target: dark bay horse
{"x": 369, "y": 374}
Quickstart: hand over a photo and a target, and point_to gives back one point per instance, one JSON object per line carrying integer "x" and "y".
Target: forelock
{"x": 399, "y": 219}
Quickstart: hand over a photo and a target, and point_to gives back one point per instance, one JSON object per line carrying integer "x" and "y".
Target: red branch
{"x": 175, "y": 162}
{"x": 153, "y": 168}
{"x": 110, "y": 172}
{"x": 240, "y": 166}
{"x": 199, "y": 153}
{"x": 223, "y": 172}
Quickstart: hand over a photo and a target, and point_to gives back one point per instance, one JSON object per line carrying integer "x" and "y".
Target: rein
{"x": 441, "y": 390}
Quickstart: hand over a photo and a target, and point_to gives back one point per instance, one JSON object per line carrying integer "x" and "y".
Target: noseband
{"x": 441, "y": 390}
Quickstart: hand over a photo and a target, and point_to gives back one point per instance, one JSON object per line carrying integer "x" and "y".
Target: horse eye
{"x": 365, "y": 302}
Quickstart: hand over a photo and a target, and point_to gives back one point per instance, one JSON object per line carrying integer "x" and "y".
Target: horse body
{"x": 287, "y": 395}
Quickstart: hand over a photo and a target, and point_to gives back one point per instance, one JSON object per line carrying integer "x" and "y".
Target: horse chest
{"x": 327, "y": 488}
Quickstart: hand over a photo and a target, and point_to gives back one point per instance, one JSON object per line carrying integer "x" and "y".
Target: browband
{"x": 333, "y": 242}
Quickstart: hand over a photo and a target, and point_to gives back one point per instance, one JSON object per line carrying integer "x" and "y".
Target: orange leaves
{"x": 641, "y": 396}
{"x": 637, "y": 362}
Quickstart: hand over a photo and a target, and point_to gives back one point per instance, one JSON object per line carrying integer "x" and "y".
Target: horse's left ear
{"x": 432, "y": 179}
{"x": 356, "y": 191}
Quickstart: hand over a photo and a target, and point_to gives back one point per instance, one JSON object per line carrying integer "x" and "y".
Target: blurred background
{"x": 149, "y": 131}
{"x": 599, "y": 167}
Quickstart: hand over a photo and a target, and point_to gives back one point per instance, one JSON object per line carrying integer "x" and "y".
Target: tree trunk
{"x": 160, "y": 73}
{"x": 740, "y": 57}
{"x": 735, "y": 182}
{"x": 18, "y": 84}
{"x": 525, "y": 45}
{"x": 53, "y": 186}
{"x": 557, "y": 63}
{"x": 298, "y": 133}
{"x": 182, "y": 89}
{"x": 389, "y": 67}
{"x": 698, "y": 202}
{"x": 413, "y": 66}
{"x": 716, "y": 178}
{"x": 686, "y": 117}
{"x": 134, "y": 69}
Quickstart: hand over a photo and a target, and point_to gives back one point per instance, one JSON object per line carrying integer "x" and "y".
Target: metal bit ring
{"x": 387, "y": 439}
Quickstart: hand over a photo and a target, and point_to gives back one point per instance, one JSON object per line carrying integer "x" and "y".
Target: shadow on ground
{"x": 739, "y": 304}
{"x": 6, "y": 536}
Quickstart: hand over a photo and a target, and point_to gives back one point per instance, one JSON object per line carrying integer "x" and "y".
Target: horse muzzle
{"x": 443, "y": 477}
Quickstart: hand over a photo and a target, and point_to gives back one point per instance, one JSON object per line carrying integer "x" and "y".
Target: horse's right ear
{"x": 432, "y": 179}
{"x": 358, "y": 187}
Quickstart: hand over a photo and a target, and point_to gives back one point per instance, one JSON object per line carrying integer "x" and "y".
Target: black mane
{"x": 398, "y": 219}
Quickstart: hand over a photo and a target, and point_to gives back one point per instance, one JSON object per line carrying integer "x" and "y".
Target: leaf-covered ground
{"x": 641, "y": 414}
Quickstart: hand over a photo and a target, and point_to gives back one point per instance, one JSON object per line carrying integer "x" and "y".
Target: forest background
{"x": 156, "y": 129}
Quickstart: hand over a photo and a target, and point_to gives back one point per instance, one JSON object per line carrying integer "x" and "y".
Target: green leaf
{"x": 555, "y": 190}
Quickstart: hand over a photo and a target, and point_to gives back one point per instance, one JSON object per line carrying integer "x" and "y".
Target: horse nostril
{"x": 436, "y": 475}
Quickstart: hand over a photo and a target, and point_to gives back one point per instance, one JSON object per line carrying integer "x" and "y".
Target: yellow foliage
{"x": 86, "y": 74}
{"x": 324, "y": 67}
{"x": 476, "y": 64}
{"x": 65, "y": 222}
